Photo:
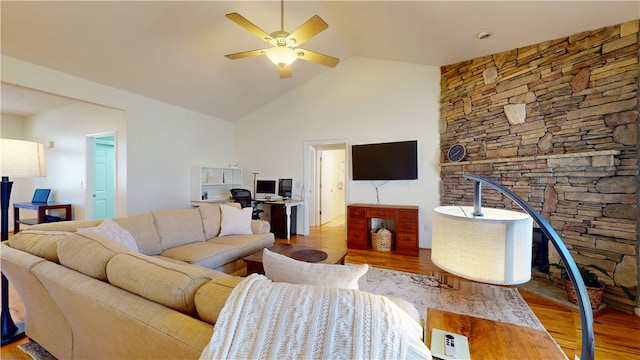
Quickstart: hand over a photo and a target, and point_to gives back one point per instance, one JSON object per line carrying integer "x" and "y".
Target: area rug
{"x": 36, "y": 351}
{"x": 452, "y": 294}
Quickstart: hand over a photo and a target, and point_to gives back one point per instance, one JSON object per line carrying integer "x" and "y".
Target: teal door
{"x": 104, "y": 178}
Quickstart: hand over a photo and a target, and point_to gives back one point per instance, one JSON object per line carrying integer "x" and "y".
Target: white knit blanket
{"x": 265, "y": 320}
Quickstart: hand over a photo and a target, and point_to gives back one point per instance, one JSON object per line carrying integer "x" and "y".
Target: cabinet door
{"x": 356, "y": 229}
{"x": 407, "y": 228}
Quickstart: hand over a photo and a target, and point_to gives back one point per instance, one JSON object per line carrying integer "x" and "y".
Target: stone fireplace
{"x": 557, "y": 123}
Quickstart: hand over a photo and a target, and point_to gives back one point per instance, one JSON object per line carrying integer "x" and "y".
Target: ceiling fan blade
{"x": 285, "y": 71}
{"x": 318, "y": 58}
{"x": 240, "y": 20}
{"x": 245, "y": 54}
{"x": 309, "y": 29}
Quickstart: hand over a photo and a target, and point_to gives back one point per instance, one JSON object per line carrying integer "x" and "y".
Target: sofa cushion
{"x": 143, "y": 228}
{"x": 204, "y": 254}
{"x": 212, "y": 296}
{"x": 235, "y": 221}
{"x": 280, "y": 268}
{"x": 88, "y": 253}
{"x": 245, "y": 244}
{"x": 112, "y": 230}
{"x": 210, "y": 215}
{"x": 178, "y": 227}
{"x": 68, "y": 226}
{"x": 39, "y": 243}
{"x": 164, "y": 282}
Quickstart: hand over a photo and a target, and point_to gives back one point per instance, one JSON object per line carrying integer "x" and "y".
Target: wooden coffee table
{"x": 301, "y": 252}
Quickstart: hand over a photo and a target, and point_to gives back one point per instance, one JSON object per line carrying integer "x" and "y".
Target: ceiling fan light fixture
{"x": 281, "y": 55}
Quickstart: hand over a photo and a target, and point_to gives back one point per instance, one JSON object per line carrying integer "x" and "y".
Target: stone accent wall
{"x": 556, "y": 122}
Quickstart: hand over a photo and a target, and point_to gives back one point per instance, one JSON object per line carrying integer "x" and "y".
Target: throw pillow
{"x": 281, "y": 268}
{"x": 235, "y": 221}
{"x": 112, "y": 230}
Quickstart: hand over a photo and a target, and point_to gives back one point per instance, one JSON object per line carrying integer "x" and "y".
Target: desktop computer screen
{"x": 265, "y": 187}
{"x": 285, "y": 186}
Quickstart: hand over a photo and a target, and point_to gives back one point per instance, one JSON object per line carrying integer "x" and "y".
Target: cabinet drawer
{"x": 356, "y": 239}
{"x": 404, "y": 240}
{"x": 356, "y": 235}
{"x": 355, "y": 223}
{"x": 404, "y": 215}
{"x": 356, "y": 212}
{"x": 381, "y": 213}
{"x": 407, "y": 226}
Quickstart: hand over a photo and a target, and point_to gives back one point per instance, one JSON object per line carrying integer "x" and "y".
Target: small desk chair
{"x": 243, "y": 197}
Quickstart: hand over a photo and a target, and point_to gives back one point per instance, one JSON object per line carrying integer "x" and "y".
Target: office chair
{"x": 243, "y": 197}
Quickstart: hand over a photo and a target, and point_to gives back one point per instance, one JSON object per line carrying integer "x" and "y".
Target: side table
{"x": 489, "y": 339}
{"x": 42, "y": 210}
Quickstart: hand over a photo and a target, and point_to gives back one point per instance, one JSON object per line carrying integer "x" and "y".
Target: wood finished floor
{"x": 617, "y": 334}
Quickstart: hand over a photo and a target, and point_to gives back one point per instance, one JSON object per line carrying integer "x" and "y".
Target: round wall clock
{"x": 456, "y": 152}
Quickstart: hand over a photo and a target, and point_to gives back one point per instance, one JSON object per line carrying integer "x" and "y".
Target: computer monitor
{"x": 285, "y": 186}
{"x": 265, "y": 188}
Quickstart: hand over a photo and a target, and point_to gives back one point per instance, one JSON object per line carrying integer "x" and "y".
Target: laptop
{"x": 41, "y": 196}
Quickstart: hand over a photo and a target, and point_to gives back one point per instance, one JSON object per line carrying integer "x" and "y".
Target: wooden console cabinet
{"x": 406, "y": 220}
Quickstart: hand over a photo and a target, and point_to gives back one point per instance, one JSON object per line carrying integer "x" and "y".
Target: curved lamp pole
{"x": 586, "y": 314}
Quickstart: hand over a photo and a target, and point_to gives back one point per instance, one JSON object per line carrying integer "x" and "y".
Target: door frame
{"x": 90, "y": 140}
{"x": 311, "y": 172}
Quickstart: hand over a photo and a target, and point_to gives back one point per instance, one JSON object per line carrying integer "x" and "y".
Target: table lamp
{"x": 494, "y": 246}
{"x": 18, "y": 158}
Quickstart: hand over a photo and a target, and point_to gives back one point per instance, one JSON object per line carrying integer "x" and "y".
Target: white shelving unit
{"x": 212, "y": 184}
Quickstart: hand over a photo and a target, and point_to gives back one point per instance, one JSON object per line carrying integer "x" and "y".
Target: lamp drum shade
{"x": 19, "y": 158}
{"x": 494, "y": 248}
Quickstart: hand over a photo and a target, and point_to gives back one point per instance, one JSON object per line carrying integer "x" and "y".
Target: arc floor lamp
{"x": 494, "y": 246}
{"x": 18, "y": 158}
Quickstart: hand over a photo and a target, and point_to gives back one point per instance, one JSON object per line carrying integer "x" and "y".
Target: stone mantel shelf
{"x": 534, "y": 158}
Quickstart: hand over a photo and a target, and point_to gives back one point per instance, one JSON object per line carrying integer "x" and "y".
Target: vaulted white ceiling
{"x": 174, "y": 51}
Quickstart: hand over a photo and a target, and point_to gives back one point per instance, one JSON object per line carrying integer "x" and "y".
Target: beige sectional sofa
{"x": 189, "y": 236}
{"x": 88, "y": 296}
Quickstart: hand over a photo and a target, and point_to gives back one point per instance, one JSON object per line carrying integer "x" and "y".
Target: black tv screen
{"x": 385, "y": 161}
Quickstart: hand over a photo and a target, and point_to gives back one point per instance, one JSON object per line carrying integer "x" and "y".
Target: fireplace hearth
{"x": 540, "y": 251}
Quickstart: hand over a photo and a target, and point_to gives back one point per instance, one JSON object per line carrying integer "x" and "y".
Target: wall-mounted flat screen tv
{"x": 385, "y": 161}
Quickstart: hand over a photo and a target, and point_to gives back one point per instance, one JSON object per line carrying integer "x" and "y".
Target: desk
{"x": 276, "y": 225}
{"x": 42, "y": 211}
{"x": 490, "y": 339}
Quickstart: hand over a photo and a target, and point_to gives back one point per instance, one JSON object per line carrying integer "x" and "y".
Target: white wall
{"x": 363, "y": 100}
{"x": 12, "y": 127}
{"x": 162, "y": 141}
{"x": 66, "y": 161}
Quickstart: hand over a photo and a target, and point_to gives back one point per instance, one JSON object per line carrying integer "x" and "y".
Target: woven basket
{"x": 595, "y": 294}
{"x": 381, "y": 239}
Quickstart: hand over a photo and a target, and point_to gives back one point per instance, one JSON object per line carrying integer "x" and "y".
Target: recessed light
{"x": 484, "y": 34}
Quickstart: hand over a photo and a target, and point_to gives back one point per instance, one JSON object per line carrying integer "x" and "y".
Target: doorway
{"x": 325, "y": 178}
{"x": 101, "y": 165}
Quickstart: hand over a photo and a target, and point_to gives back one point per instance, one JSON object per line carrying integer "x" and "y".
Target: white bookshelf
{"x": 215, "y": 182}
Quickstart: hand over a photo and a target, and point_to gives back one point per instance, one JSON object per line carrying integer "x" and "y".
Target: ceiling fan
{"x": 283, "y": 46}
